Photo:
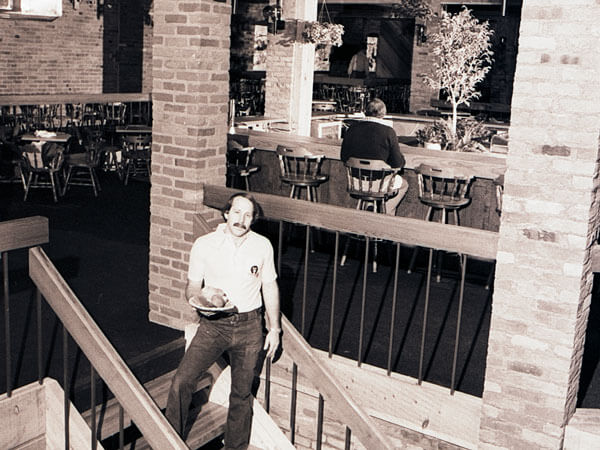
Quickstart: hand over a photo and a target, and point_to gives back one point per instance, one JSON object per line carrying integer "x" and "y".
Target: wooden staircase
{"x": 207, "y": 419}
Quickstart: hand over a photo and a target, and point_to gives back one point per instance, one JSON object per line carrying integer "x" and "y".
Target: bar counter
{"x": 481, "y": 213}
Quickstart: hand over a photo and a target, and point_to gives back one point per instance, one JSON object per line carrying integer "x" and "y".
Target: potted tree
{"x": 462, "y": 47}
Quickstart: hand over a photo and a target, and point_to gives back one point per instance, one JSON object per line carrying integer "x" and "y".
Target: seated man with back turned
{"x": 231, "y": 266}
{"x": 374, "y": 138}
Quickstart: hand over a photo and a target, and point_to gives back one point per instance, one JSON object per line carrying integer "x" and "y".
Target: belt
{"x": 236, "y": 317}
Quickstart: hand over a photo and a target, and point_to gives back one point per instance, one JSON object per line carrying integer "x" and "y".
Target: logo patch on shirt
{"x": 254, "y": 270}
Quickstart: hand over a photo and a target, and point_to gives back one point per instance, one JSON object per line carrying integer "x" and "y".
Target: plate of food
{"x": 212, "y": 300}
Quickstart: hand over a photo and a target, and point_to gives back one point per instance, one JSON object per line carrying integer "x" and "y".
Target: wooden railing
{"x": 414, "y": 232}
{"x": 30, "y": 233}
{"x": 348, "y": 411}
{"x": 467, "y": 242}
{"x": 103, "y": 357}
{"x": 14, "y": 235}
{"x": 61, "y": 110}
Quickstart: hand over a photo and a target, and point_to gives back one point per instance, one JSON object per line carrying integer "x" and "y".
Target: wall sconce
{"x": 420, "y": 31}
{"x": 272, "y": 14}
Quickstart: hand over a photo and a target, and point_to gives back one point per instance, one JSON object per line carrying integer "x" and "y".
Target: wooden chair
{"x": 80, "y": 168}
{"x": 137, "y": 156}
{"x": 371, "y": 182}
{"x": 39, "y": 171}
{"x": 239, "y": 164}
{"x": 445, "y": 190}
{"x": 301, "y": 170}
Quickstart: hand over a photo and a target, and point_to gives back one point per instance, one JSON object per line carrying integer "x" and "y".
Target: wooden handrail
{"x": 13, "y": 100}
{"x": 23, "y": 233}
{"x": 347, "y": 410}
{"x": 470, "y": 241}
{"x": 100, "y": 352}
{"x": 483, "y": 165}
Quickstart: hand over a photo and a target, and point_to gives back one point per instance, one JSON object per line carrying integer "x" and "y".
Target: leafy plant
{"x": 411, "y": 9}
{"x": 470, "y": 135}
{"x": 462, "y": 47}
{"x": 323, "y": 33}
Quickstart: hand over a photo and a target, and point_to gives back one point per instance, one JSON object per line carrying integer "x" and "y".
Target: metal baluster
{"x": 38, "y": 301}
{"x": 458, "y": 318}
{"x": 293, "y": 405}
{"x": 348, "y": 438}
{"x": 394, "y": 301}
{"x": 66, "y": 384}
{"x": 279, "y": 245}
{"x": 320, "y": 422}
{"x": 305, "y": 280}
{"x": 4, "y": 256}
{"x": 421, "y": 354}
{"x": 332, "y": 314}
{"x": 93, "y": 405}
{"x": 121, "y": 427}
{"x": 268, "y": 386}
{"x": 364, "y": 301}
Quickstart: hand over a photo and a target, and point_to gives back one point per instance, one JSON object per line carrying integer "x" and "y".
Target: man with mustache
{"x": 229, "y": 266}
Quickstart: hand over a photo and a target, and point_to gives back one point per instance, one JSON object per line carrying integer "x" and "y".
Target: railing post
{"x": 333, "y": 289}
{"x": 363, "y": 302}
{"x": 65, "y": 344}
{"x": 38, "y": 301}
{"x": 293, "y": 404}
{"x": 4, "y": 256}
{"x": 463, "y": 272}
{"x": 425, "y": 310}
{"x": 394, "y": 301}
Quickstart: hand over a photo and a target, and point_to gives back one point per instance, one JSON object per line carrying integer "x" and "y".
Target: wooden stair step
{"x": 107, "y": 416}
{"x": 209, "y": 423}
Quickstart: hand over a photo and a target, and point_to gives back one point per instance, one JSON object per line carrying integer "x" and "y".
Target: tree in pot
{"x": 462, "y": 47}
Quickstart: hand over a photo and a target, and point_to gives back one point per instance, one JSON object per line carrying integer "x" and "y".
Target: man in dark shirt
{"x": 374, "y": 138}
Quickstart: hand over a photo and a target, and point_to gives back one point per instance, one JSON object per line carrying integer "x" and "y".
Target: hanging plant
{"x": 323, "y": 33}
{"x": 411, "y": 9}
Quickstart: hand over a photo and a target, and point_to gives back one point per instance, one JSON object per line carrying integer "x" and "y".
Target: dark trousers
{"x": 241, "y": 337}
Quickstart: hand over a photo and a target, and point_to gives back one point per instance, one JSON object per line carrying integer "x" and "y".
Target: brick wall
{"x": 48, "y": 57}
{"x": 543, "y": 280}
{"x": 74, "y": 53}
{"x": 190, "y": 101}
{"x": 279, "y": 81}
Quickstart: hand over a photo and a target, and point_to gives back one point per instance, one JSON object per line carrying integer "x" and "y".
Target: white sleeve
{"x": 196, "y": 264}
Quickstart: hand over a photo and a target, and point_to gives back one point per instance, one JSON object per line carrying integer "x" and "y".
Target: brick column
{"x": 190, "y": 101}
{"x": 290, "y": 69}
{"x": 543, "y": 280}
{"x": 423, "y": 59}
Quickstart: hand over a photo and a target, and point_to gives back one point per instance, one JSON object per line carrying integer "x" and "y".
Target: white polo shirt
{"x": 239, "y": 271}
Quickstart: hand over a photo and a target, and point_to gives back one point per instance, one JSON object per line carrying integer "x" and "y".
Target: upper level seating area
{"x": 90, "y": 127}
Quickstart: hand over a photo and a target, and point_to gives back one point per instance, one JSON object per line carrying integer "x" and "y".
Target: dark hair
{"x": 255, "y": 206}
{"x": 375, "y": 108}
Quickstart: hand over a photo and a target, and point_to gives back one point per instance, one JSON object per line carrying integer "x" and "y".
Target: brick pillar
{"x": 290, "y": 69}
{"x": 190, "y": 100}
{"x": 423, "y": 59}
{"x": 543, "y": 280}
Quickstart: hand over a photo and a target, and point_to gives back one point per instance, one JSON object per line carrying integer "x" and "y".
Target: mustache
{"x": 240, "y": 225}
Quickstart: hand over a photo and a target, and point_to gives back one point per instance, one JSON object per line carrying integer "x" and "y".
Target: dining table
{"x": 46, "y": 136}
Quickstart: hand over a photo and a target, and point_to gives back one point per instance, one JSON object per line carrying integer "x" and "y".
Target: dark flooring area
{"x": 100, "y": 246}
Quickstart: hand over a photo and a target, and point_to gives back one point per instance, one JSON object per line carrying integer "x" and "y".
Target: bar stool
{"x": 446, "y": 190}
{"x": 239, "y": 164}
{"x": 371, "y": 182}
{"x": 301, "y": 170}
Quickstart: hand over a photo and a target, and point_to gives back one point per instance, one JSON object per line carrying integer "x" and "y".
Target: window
{"x": 33, "y": 9}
